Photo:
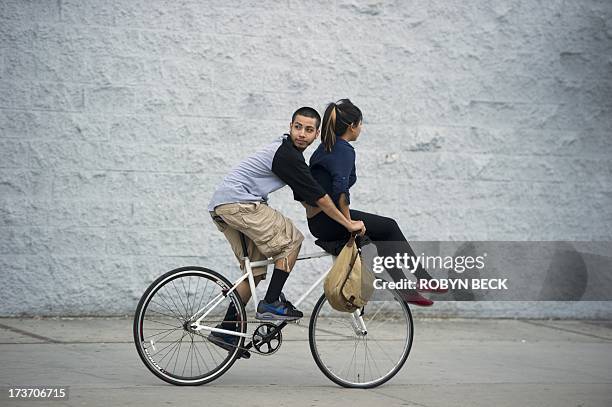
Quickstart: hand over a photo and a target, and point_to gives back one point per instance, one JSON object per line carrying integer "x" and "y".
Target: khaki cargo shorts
{"x": 268, "y": 233}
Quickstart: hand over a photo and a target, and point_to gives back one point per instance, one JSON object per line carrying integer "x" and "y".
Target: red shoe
{"x": 412, "y": 297}
{"x": 431, "y": 290}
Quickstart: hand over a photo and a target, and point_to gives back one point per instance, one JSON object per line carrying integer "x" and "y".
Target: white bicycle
{"x": 178, "y": 311}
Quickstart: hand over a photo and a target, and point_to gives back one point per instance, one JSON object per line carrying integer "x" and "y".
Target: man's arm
{"x": 327, "y": 206}
{"x": 289, "y": 166}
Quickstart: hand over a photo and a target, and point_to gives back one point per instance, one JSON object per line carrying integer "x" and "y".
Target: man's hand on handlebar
{"x": 357, "y": 227}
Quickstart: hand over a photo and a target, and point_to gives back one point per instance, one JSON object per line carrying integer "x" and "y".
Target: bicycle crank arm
{"x": 279, "y": 327}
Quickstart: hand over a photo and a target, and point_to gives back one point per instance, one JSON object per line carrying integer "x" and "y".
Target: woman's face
{"x": 356, "y": 131}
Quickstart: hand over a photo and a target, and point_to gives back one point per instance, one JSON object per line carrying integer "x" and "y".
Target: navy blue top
{"x": 334, "y": 170}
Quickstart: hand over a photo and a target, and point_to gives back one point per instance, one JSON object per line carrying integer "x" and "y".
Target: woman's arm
{"x": 341, "y": 170}
{"x": 344, "y": 206}
{"x": 325, "y": 204}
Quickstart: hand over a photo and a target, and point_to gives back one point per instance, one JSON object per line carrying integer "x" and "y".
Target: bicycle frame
{"x": 197, "y": 326}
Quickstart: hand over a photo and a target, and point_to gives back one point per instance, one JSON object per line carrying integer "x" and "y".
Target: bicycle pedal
{"x": 245, "y": 354}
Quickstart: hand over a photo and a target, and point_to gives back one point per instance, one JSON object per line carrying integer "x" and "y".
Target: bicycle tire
{"x": 219, "y": 283}
{"x": 324, "y": 365}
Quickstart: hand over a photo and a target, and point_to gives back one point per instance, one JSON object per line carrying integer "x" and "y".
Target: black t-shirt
{"x": 289, "y": 165}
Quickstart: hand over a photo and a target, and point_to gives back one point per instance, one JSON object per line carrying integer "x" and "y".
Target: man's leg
{"x": 277, "y": 237}
{"x": 259, "y": 273}
{"x": 284, "y": 265}
{"x": 244, "y": 292}
{"x": 244, "y": 289}
{"x": 282, "y": 268}
{"x": 274, "y": 235}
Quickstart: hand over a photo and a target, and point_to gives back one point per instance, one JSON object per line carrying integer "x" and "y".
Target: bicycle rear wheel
{"x": 164, "y": 340}
{"x": 352, "y": 358}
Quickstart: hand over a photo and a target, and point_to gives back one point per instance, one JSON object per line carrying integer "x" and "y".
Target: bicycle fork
{"x": 358, "y": 323}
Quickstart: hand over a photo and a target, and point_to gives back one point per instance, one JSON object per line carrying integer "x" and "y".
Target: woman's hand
{"x": 357, "y": 226}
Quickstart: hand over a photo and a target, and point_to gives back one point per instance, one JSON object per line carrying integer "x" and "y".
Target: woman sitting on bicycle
{"x": 333, "y": 166}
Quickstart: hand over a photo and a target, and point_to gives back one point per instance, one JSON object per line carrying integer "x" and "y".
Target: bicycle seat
{"x": 334, "y": 247}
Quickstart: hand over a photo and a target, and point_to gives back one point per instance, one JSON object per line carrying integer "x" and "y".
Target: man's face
{"x": 303, "y": 131}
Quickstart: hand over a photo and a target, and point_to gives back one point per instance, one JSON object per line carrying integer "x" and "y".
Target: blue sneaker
{"x": 279, "y": 310}
{"x": 227, "y": 342}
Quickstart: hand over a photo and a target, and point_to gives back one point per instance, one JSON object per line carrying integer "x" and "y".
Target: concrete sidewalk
{"x": 453, "y": 363}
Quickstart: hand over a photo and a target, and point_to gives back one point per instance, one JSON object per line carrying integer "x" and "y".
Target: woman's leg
{"x": 325, "y": 228}
{"x": 381, "y": 229}
{"x": 389, "y": 239}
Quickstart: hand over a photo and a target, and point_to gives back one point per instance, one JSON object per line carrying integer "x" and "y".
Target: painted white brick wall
{"x": 117, "y": 119}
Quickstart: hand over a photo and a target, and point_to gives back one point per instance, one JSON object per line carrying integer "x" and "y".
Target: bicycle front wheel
{"x": 164, "y": 338}
{"x": 352, "y": 356}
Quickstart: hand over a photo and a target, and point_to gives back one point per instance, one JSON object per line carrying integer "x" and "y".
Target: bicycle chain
{"x": 252, "y": 348}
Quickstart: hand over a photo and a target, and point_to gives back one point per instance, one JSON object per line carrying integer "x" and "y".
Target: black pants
{"x": 384, "y": 232}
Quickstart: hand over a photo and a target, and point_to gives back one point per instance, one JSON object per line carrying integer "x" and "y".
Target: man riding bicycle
{"x": 239, "y": 206}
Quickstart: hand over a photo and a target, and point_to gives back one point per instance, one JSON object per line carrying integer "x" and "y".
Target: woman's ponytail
{"x": 337, "y": 118}
{"x": 328, "y": 136}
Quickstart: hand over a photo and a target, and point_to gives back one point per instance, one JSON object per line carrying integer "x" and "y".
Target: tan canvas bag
{"x": 348, "y": 285}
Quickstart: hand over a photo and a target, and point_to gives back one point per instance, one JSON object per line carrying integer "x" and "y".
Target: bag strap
{"x": 351, "y": 241}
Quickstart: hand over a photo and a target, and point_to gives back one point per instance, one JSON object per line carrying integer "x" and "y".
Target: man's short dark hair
{"x": 307, "y": 112}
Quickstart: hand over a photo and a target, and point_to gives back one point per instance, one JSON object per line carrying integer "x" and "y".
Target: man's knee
{"x": 296, "y": 246}
{"x": 287, "y": 262}
{"x": 297, "y": 249}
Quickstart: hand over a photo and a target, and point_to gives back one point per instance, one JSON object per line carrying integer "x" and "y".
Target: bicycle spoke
{"x": 170, "y": 343}
{"x": 195, "y": 297}
{"x": 188, "y": 292}
{"x": 172, "y": 347}
{"x": 166, "y": 315}
{"x": 373, "y": 359}
{"x": 365, "y": 356}
{"x": 337, "y": 335}
{"x": 187, "y": 308}
{"x": 178, "y": 352}
{"x": 353, "y": 357}
{"x": 163, "y": 323}
{"x": 215, "y": 348}
{"x": 376, "y": 327}
{"x": 188, "y": 352}
{"x": 384, "y": 351}
{"x": 194, "y": 355}
{"x": 176, "y": 306}
{"x": 161, "y": 341}
{"x": 163, "y": 337}
{"x": 199, "y": 353}
{"x": 202, "y": 297}
{"x": 180, "y": 299}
